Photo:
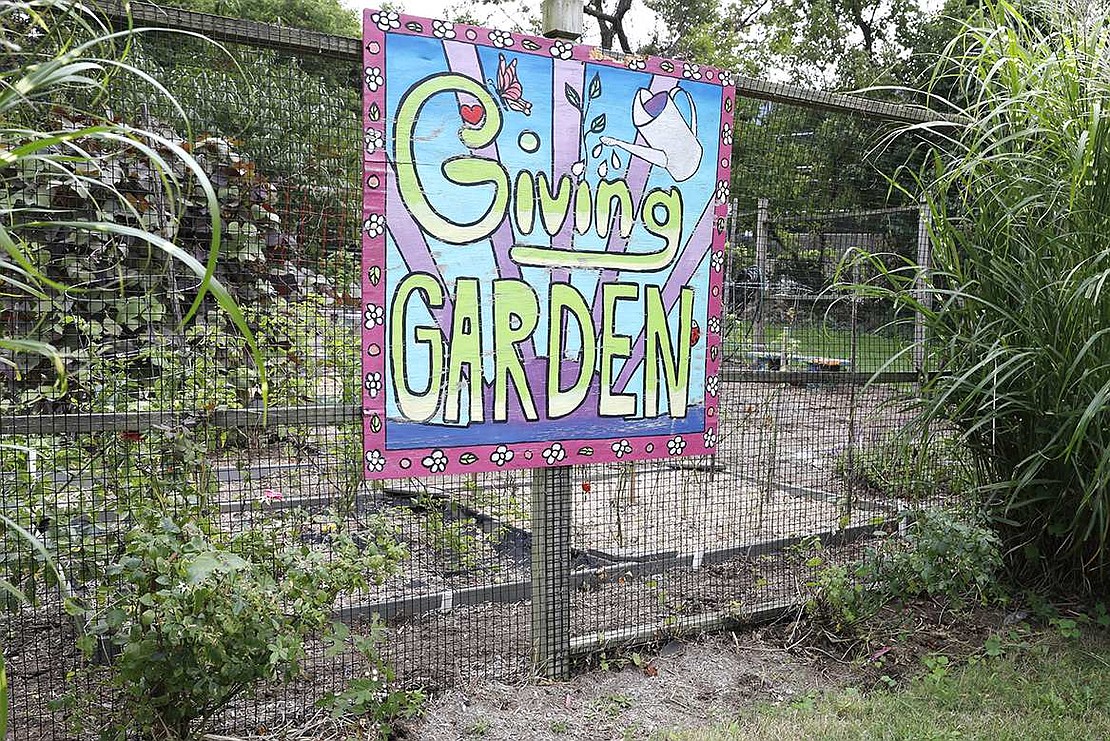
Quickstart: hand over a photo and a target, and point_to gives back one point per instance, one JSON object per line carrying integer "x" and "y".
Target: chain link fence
{"x": 170, "y": 414}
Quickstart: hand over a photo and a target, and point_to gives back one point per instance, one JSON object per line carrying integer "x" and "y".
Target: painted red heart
{"x": 472, "y": 114}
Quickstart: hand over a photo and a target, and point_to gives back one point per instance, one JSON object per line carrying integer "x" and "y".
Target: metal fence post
{"x": 924, "y": 262}
{"x": 551, "y": 518}
{"x": 762, "y": 239}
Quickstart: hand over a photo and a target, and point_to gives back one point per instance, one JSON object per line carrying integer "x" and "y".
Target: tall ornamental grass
{"x": 1017, "y": 305}
{"x": 57, "y": 59}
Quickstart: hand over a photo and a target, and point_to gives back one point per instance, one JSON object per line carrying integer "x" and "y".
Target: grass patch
{"x": 873, "y": 350}
{"x": 1056, "y": 688}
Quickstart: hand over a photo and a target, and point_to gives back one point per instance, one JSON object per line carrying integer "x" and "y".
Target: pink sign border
{"x": 448, "y": 460}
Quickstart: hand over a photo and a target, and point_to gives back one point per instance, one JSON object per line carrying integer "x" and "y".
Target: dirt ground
{"x": 707, "y": 681}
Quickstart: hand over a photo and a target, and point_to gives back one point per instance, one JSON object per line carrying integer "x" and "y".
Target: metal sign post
{"x": 551, "y": 487}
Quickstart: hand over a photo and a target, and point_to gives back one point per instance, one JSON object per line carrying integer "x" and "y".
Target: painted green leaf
{"x": 375, "y": 424}
{"x": 375, "y": 274}
{"x": 572, "y": 96}
{"x": 530, "y": 45}
{"x": 414, "y": 27}
{"x": 587, "y": 451}
{"x": 598, "y": 124}
{"x": 467, "y": 458}
{"x": 595, "y": 86}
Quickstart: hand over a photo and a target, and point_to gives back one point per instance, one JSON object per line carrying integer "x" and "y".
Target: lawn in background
{"x": 873, "y": 349}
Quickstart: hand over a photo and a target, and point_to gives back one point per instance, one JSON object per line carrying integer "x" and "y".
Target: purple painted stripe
{"x": 685, "y": 267}
{"x": 566, "y": 144}
{"x": 463, "y": 59}
{"x": 637, "y": 177}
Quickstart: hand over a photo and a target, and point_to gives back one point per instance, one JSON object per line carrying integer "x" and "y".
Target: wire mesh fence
{"x": 168, "y": 415}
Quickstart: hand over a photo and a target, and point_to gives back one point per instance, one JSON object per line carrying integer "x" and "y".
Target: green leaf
{"x": 595, "y": 86}
{"x": 205, "y": 564}
{"x": 572, "y": 96}
{"x": 598, "y": 124}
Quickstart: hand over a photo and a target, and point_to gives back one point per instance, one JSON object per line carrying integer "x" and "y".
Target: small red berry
{"x": 586, "y": 486}
{"x": 695, "y": 334}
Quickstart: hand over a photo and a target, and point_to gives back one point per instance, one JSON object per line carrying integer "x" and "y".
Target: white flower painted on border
{"x": 500, "y": 39}
{"x": 374, "y": 78}
{"x": 676, "y": 445}
{"x": 714, "y": 324}
{"x": 723, "y": 190}
{"x": 386, "y": 20}
{"x": 436, "y": 462}
{"x": 636, "y": 63}
{"x": 725, "y": 76}
{"x": 375, "y": 461}
{"x": 443, "y": 29}
{"x": 691, "y": 71}
{"x": 712, "y": 385}
{"x": 718, "y": 261}
{"x": 710, "y": 437}
{"x": 726, "y": 134}
{"x": 373, "y": 384}
{"x": 374, "y": 140}
{"x": 374, "y": 225}
{"x": 375, "y": 315}
{"x": 554, "y": 454}
{"x": 562, "y": 49}
{"x": 621, "y": 448}
{"x": 501, "y": 455}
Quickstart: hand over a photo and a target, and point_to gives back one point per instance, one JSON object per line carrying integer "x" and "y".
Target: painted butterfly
{"x": 508, "y": 87}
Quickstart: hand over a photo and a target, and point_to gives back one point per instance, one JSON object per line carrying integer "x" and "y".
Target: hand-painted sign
{"x": 543, "y": 242}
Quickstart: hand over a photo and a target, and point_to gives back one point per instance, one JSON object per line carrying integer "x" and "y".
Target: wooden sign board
{"x": 543, "y": 244}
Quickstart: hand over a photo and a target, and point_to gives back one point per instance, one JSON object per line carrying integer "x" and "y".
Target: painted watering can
{"x": 672, "y": 143}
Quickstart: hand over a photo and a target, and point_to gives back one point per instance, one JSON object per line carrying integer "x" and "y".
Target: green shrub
{"x": 941, "y": 554}
{"x": 185, "y": 623}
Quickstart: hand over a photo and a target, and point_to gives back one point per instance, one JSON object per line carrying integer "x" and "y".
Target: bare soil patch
{"x": 697, "y": 684}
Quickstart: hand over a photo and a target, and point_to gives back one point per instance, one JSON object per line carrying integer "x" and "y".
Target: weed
{"x": 613, "y": 705}
{"x": 478, "y": 728}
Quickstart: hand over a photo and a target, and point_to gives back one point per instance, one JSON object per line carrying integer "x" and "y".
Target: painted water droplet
{"x": 602, "y": 170}
{"x": 578, "y": 168}
{"x": 528, "y": 141}
{"x": 596, "y": 151}
{"x": 615, "y": 160}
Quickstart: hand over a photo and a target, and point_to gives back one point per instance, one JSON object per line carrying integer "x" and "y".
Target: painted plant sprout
{"x": 540, "y": 226}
